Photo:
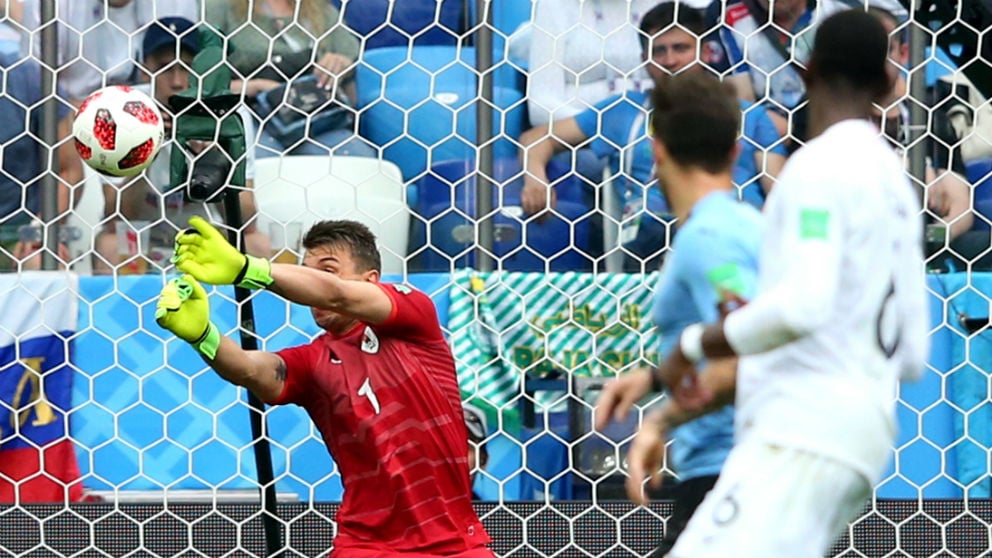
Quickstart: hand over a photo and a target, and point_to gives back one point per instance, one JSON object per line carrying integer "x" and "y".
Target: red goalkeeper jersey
{"x": 386, "y": 401}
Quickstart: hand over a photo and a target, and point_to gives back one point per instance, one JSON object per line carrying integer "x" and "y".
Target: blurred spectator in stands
{"x": 24, "y": 157}
{"x": 948, "y": 195}
{"x": 278, "y": 42}
{"x": 617, "y": 128}
{"x": 478, "y": 457}
{"x": 827, "y": 8}
{"x": 582, "y": 52}
{"x": 98, "y": 38}
{"x": 765, "y": 51}
{"x": 167, "y": 53}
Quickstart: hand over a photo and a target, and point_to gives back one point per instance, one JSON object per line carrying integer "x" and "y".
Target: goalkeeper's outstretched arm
{"x": 263, "y": 373}
{"x": 184, "y": 310}
{"x": 207, "y": 256}
{"x": 362, "y": 300}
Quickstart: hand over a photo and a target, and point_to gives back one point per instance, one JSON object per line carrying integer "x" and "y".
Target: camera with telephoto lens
{"x": 206, "y": 112}
{"x": 208, "y": 176}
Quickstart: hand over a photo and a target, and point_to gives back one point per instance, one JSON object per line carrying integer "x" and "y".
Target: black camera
{"x": 209, "y": 175}
{"x": 207, "y": 112}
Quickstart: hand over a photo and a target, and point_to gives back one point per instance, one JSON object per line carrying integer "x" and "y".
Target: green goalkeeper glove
{"x": 183, "y": 309}
{"x": 205, "y": 254}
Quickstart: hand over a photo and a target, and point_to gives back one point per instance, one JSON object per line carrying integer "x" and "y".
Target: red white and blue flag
{"x": 38, "y": 316}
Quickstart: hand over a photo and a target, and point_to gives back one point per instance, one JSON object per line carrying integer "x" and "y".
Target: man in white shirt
{"x": 98, "y": 40}
{"x": 840, "y": 316}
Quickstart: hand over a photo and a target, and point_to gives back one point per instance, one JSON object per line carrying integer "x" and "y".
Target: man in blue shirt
{"x": 618, "y": 128}
{"x": 713, "y": 265}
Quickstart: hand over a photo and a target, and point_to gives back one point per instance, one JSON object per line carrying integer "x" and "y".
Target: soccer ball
{"x": 118, "y": 131}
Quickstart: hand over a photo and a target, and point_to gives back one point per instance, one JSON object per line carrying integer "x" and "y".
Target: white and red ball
{"x": 118, "y": 131}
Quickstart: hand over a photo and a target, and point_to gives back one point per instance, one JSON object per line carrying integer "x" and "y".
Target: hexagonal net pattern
{"x": 501, "y": 152}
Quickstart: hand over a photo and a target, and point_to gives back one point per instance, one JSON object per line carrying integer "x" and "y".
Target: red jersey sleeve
{"x": 413, "y": 317}
{"x": 300, "y": 363}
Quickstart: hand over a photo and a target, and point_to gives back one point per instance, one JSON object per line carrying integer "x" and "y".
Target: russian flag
{"x": 38, "y": 317}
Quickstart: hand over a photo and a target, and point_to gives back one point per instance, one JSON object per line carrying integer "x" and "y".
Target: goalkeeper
{"x": 380, "y": 384}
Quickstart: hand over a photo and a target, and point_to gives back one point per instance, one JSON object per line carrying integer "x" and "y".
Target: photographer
{"x": 148, "y": 201}
{"x": 303, "y": 90}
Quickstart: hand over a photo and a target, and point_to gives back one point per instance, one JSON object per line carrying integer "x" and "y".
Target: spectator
{"x": 617, "y": 128}
{"x": 581, "y": 53}
{"x": 765, "y": 51}
{"x": 98, "y": 38}
{"x": 24, "y": 159}
{"x": 948, "y": 194}
{"x": 478, "y": 457}
{"x": 149, "y": 196}
{"x": 279, "y": 44}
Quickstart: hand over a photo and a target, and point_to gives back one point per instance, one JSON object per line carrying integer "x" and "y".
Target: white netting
{"x": 100, "y": 404}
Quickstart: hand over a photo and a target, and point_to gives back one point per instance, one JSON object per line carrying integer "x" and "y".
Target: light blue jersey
{"x": 715, "y": 252}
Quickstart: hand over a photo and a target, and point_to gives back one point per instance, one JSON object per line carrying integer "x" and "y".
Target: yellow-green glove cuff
{"x": 256, "y": 273}
{"x": 209, "y": 342}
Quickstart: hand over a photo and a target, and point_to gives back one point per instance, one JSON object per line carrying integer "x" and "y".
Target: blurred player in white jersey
{"x": 839, "y": 317}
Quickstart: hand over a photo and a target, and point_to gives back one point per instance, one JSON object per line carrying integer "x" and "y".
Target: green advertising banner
{"x": 508, "y": 325}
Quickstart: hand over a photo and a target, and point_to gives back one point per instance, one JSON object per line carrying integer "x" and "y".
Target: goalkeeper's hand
{"x": 184, "y": 310}
{"x": 204, "y": 253}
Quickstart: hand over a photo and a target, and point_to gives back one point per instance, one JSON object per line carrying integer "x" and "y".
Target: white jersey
{"x": 841, "y": 309}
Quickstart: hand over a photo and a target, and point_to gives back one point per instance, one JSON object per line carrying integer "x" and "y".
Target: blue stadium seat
{"x": 447, "y": 197}
{"x": 419, "y": 105}
{"x": 385, "y": 23}
{"x": 420, "y": 66}
{"x": 416, "y": 68}
{"x": 980, "y": 176}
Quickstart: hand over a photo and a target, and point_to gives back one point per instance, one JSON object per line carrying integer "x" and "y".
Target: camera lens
{"x": 208, "y": 176}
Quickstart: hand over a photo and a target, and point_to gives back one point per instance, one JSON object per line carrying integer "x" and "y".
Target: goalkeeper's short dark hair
{"x": 851, "y": 50}
{"x": 352, "y": 235}
{"x": 697, "y": 118}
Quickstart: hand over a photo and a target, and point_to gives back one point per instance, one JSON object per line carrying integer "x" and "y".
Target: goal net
{"x": 117, "y": 440}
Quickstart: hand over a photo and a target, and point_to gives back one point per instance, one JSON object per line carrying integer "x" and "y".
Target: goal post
{"x": 116, "y": 439}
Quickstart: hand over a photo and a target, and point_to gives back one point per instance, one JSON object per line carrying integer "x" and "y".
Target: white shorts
{"x": 774, "y": 502}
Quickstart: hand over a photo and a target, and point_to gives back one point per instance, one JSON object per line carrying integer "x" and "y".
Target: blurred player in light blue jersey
{"x": 839, "y": 317}
{"x": 714, "y": 263}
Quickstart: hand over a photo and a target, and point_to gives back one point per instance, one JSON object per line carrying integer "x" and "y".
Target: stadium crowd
{"x": 583, "y": 69}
